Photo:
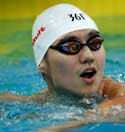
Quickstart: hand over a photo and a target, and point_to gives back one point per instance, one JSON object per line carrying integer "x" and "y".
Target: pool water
{"x": 21, "y": 77}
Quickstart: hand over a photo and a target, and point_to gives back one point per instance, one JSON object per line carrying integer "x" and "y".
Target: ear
{"x": 42, "y": 66}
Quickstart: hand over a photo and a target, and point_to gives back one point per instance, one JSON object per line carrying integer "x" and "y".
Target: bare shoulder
{"x": 113, "y": 88}
{"x": 115, "y": 93}
{"x": 42, "y": 96}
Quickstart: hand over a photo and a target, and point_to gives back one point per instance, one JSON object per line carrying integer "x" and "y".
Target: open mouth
{"x": 88, "y": 73}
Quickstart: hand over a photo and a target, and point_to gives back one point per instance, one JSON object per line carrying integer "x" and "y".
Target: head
{"x": 68, "y": 50}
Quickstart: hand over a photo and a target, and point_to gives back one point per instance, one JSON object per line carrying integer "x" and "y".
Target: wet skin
{"x": 64, "y": 72}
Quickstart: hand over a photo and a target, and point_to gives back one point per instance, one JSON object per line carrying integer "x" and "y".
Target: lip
{"x": 89, "y": 80}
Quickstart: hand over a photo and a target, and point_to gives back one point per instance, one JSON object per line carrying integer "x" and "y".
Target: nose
{"x": 86, "y": 56}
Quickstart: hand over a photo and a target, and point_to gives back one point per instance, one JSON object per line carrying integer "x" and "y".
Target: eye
{"x": 72, "y": 46}
{"x": 95, "y": 43}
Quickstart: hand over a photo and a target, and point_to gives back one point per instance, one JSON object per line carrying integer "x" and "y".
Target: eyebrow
{"x": 93, "y": 34}
{"x": 68, "y": 39}
{"x": 90, "y": 35}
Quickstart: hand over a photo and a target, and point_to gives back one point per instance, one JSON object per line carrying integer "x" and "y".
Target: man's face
{"x": 80, "y": 73}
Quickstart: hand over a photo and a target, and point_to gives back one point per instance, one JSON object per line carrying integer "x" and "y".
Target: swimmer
{"x": 69, "y": 53}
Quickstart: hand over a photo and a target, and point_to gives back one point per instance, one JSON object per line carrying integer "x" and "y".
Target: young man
{"x": 69, "y": 53}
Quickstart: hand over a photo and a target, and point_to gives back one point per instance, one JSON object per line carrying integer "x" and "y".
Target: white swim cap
{"x": 55, "y": 22}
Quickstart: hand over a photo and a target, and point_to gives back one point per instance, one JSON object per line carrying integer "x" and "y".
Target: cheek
{"x": 64, "y": 66}
{"x": 103, "y": 55}
{"x": 101, "y": 58}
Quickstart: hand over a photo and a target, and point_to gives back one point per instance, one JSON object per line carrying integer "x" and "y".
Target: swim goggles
{"x": 71, "y": 46}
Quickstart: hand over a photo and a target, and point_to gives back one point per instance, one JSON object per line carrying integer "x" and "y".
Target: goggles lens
{"x": 73, "y": 47}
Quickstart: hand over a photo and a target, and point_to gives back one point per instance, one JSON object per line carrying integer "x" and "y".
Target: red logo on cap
{"x": 41, "y": 30}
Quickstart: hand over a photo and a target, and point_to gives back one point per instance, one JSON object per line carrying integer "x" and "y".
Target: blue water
{"x": 20, "y": 76}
